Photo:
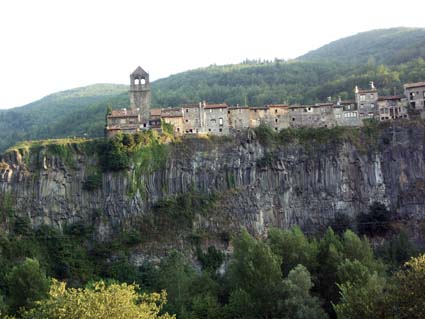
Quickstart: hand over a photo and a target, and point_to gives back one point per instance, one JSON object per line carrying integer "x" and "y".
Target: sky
{"x": 54, "y": 45}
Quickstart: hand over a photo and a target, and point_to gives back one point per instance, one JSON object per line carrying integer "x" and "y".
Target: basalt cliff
{"x": 213, "y": 186}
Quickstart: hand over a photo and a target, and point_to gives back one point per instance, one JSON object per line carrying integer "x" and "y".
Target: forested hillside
{"x": 388, "y": 57}
{"x": 75, "y": 112}
{"x": 385, "y": 46}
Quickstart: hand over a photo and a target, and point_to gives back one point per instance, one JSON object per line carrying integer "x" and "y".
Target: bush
{"x": 210, "y": 260}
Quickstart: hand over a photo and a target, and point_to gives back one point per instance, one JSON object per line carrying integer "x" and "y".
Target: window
{"x": 372, "y": 105}
{"x": 412, "y": 95}
{"x": 210, "y": 110}
{"x": 209, "y": 130}
{"x": 187, "y": 110}
{"x": 187, "y": 120}
{"x": 122, "y": 121}
{"x": 221, "y": 130}
{"x": 276, "y": 109}
{"x": 220, "y": 121}
{"x": 361, "y": 106}
{"x": 362, "y": 97}
{"x": 275, "y": 120}
{"x": 275, "y": 128}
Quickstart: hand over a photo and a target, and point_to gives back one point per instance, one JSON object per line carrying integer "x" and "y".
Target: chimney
{"x": 371, "y": 85}
{"x": 339, "y": 101}
{"x": 356, "y": 89}
{"x": 329, "y": 98}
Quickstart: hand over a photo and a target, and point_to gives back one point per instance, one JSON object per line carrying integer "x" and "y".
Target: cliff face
{"x": 258, "y": 185}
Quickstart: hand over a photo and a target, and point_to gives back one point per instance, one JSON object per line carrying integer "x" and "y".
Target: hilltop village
{"x": 222, "y": 119}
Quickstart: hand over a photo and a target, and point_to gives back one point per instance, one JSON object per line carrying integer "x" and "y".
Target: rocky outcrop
{"x": 280, "y": 184}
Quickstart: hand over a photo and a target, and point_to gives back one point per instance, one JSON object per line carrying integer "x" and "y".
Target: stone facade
{"x": 239, "y": 118}
{"x": 140, "y": 92}
{"x": 317, "y": 115}
{"x": 215, "y": 119}
{"x": 221, "y": 119}
{"x": 415, "y": 94}
{"x": 346, "y": 114}
{"x": 392, "y": 108}
{"x": 367, "y": 101}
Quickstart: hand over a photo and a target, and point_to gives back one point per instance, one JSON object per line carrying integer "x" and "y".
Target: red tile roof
{"x": 155, "y": 112}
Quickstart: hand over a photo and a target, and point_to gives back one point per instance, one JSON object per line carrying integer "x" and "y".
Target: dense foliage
{"x": 286, "y": 275}
{"x": 388, "y": 57}
{"x": 99, "y": 300}
{"x": 385, "y": 46}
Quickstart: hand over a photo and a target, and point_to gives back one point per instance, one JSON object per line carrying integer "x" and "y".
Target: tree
{"x": 294, "y": 248}
{"x": 299, "y": 304}
{"x": 363, "y": 300}
{"x": 175, "y": 276}
{"x": 120, "y": 301}
{"x": 26, "y": 283}
{"x": 255, "y": 279}
{"x": 328, "y": 258}
{"x": 409, "y": 290}
{"x": 356, "y": 248}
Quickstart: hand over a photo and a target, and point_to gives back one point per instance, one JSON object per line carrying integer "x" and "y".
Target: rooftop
{"x": 414, "y": 85}
{"x": 123, "y": 113}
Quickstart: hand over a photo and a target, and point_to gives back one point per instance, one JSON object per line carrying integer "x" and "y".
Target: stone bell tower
{"x": 140, "y": 92}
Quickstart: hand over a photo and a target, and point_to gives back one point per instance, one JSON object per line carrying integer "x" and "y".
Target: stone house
{"x": 415, "y": 94}
{"x": 192, "y": 119}
{"x": 174, "y": 116}
{"x": 392, "y": 108}
{"x": 366, "y": 101}
{"x": 277, "y": 116}
{"x": 125, "y": 121}
{"x": 239, "y": 118}
{"x": 346, "y": 113}
{"x": 215, "y": 119}
{"x": 257, "y": 115}
{"x": 317, "y": 115}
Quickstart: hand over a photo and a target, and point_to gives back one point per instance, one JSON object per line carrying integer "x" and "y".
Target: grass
{"x": 27, "y": 145}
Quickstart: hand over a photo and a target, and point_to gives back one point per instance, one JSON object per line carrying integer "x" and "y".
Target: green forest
{"x": 289, "y": 274}
{"x": 388, "y": 57}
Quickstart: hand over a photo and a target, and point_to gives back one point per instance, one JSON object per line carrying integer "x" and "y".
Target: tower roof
{"x": 139, "y": 72}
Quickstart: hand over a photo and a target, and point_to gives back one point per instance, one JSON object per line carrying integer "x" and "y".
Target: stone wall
{"x": 259, "y": 186}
